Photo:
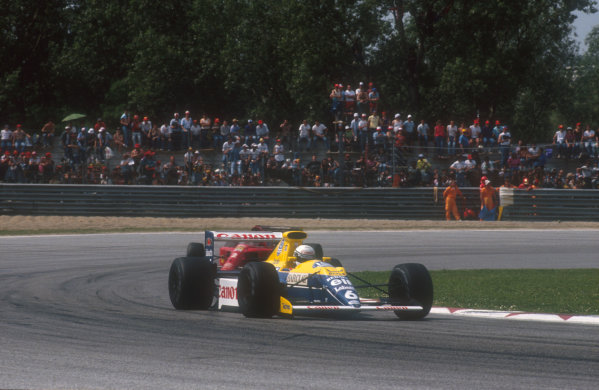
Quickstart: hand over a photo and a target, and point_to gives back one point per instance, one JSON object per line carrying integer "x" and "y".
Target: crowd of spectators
{"x": 357, "y": 147}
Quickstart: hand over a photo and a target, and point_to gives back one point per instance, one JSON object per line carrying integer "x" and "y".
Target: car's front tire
{"x": 411, "y": 284}
{"x": 191, "y": 283}
{"x": 258, "y": 290}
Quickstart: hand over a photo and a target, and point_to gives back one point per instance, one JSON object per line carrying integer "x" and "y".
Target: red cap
{"x": 216, "y": 120}
{"x": 496, "y": 122}
{"x": 561, "y": 126}
{"x": 260, "y": 122}
{"x": 18, "y": 126}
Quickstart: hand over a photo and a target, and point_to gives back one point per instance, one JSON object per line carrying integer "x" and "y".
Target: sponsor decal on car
{"x": 248, "y": 236}
{"x": 227, "y": 293}
{"x": 280, "y": 247}
{"x": 298, "y": 279}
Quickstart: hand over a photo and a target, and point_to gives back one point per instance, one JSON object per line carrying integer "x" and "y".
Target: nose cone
{"x": 343, "y": 290}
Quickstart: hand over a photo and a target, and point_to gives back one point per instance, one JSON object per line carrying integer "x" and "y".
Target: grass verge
{"x": 565, "y": 291}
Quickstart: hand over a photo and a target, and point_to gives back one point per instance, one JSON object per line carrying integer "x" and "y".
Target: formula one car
{"x": 294, "y": 278}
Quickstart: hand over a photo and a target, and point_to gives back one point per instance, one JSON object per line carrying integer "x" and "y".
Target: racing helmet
{"x": 304, "y": 253}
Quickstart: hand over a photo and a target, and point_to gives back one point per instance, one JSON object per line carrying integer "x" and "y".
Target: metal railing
{"x": 285, "y": 202}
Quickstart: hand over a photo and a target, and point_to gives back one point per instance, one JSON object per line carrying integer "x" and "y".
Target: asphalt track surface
{"x": 92, "y": 312}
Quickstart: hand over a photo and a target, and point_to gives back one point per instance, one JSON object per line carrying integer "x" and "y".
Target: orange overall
{"x": 450, "y": 194}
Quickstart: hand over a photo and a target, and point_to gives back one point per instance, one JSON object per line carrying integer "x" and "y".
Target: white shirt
{"x": 304, "y": 130}
{"x": 475, "y": 131}
{"x": 278, "y": 152}
{"x": 319, "y": 130}
{"x": 350, "y": 95}
{"x": 452, "y": 131}
{"x": 5, "y": 134}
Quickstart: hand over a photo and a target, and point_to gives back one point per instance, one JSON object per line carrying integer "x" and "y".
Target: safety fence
{"x": 285, "y": 202}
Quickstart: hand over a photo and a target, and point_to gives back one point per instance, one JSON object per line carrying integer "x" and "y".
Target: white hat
{"x": 356, "y": 114}
{"x": 397, "y": 115}
{"x": 409, "y": 116}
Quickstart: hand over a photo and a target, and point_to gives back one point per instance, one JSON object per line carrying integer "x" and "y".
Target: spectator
{"x": 48, "y": 131}
{"x": 285, "y": 135}
{"x": 250, "y": 133}
{"x": 422, "y": 131}
{"x": 379, "y": 138}
{"x": 373, "y": 100}
{"x": 166, "y": 141}
{"x": 262, "y": 131}
{"x": 214, "y": 135}
{"x": 176, "y": 132}
{"x": 363, "y": 132}
{"x": 559, "y": 139}
{"x": 349, "y": 96}
{"x": 6, "y": 139}
{"x": 319, "y": 133}
{"x": 459, "y": 168}
{"x": 19, "y": 139}
{"x": 408, "y": 127}
{"x": 424, "y": 167}
{"x": 304, "y": 136}
{"x": 589, "y": 141}
{"x": 464, "y": 141}
{"x": 125, "y": 126}
{"x": 475, "y": 133}
{"x": 136, "y": 136}
{"x": 279, "y": 153}
{"x": 452, "y": 138}
{"x": 486, "y": 133}
{"x": 186, "y": 123}
{"x": 488, "y": 202}
{"x": 362, "y": 99}
{"x": 154, "y": 138}
{"x": 336, "y": 101}
{"x": 205, "y": 127}
{"x": 451, "y": 193}
{"x": 195, "y": 130}
{"x": 119, "y": 140}
{"x": 147, "y": 168}
{"x": 440, "y": 135}
{"x": 504, "y": 141}
{"x": 146, "y": 127}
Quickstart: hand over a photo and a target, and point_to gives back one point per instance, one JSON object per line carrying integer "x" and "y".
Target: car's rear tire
{"x": 411, "y": 284}
{"x": 191, "y": 283}
{"x": 318, "y": 252}
{"x": 258, "y": 290}
{"x": 195, "y": 249}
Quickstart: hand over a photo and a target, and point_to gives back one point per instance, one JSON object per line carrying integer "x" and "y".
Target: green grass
{"x": 567, "y": 291}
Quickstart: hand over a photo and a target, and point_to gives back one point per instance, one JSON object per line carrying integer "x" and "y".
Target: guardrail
{"x": 175, "y": 201}
{"x": 285, "y": 202}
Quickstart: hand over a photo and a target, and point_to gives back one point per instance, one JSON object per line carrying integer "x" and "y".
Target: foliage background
{"x": 278, "y": 59}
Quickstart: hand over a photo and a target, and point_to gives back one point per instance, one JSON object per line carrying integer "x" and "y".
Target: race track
{"x": 93, "y": 312}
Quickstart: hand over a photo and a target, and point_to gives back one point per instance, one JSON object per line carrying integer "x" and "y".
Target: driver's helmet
{"x": 304, "y": 253}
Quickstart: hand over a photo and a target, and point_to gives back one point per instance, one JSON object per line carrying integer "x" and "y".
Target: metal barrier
{"x": 174, "y": 201}
{"x": 285, "y": 202}
{"x": 550, "y": 205}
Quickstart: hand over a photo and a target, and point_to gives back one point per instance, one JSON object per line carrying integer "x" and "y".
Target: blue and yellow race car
{"x": 295, "y": 279}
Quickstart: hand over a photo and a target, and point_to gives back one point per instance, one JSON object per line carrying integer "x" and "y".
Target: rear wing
{"x": 211, "y": 236}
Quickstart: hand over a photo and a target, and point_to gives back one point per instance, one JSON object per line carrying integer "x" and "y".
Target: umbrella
{"x": 72, "y": 117}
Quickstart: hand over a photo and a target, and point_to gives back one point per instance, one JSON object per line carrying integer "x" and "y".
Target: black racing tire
{"x": 411, "y": 284}
{"x": 191, "y": 283}
{"x": 258, "y": 290}
{"x": 317, "y": 250}
{"x": 195, "y": 249}
{"x": 335, "y": 262}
